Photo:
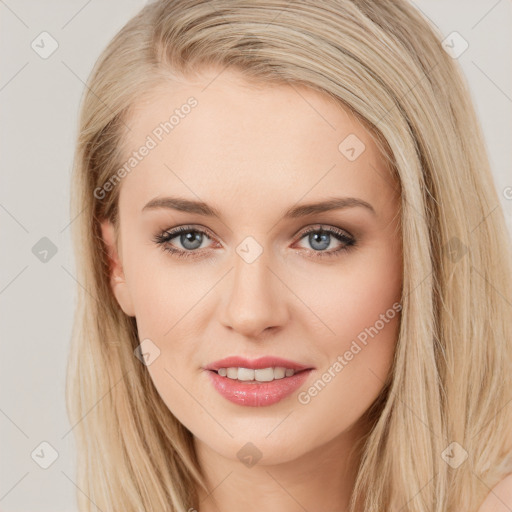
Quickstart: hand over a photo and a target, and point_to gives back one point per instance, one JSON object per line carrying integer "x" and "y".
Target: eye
{"x": 320, "y": 238}
{"x": 191, "y": 239}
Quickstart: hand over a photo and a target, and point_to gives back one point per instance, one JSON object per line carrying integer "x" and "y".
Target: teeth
{"x": 232, "y": 373}
{"x": 260, "y": 375}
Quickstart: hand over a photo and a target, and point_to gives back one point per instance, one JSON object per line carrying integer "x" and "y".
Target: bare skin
{"x": 500, "y": 497}
{"x": 252, "y": 154}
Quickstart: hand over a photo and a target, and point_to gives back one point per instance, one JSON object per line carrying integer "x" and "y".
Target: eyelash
{"x": 162, "y": 239}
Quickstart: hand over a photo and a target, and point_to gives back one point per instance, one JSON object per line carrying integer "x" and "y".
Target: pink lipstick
{"x": 243, "y": 390}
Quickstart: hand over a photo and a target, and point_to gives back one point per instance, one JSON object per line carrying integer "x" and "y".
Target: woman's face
{"x": 254, "y": 281}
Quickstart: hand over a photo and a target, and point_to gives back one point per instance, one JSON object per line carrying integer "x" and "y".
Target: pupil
{"x": 324, "y": 243}
{"x": 189, "y": 240}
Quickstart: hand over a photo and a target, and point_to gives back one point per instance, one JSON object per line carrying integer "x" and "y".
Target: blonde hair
{"x": 450, "y": 380}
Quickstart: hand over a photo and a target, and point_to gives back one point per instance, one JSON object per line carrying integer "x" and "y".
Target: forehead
{"x": 218, "y": 136}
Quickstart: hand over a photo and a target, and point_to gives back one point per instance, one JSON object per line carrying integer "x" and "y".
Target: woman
{"x": 294, "y": 294}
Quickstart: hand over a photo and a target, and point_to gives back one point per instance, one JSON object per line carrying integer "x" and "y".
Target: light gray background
{"x": 39, "y": 100}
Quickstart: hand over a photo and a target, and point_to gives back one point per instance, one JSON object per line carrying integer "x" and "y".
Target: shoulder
{"x": 500, "y": 497}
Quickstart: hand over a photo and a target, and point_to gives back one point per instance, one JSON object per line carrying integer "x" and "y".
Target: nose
{"x": 256, "y": 300}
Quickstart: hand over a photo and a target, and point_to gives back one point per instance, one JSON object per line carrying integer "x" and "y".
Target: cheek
{"x": 354, "y": 370}
{"x": 163, "y": 292}
{"x": 164, "y": 296}
{"x": 343, "y": 391}
{"x": 361, "y": 306}
{"x": 357, "y": 293}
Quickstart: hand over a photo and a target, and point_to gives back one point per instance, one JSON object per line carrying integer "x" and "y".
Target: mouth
{"x": 257, "y": 393}
{"x": 257, "y": 376}
{"x": 262, "y": 363}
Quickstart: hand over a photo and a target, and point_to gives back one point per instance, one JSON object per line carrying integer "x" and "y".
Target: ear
{"x": 117, "y": 278}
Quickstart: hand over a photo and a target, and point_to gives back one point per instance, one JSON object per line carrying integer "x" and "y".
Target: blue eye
{"x": 320, "y": 238}
{"x": 192, "y": 238}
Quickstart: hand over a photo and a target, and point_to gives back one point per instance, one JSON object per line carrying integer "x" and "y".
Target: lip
{"x": 257, "y": 394}
{"x": 256, "y": 364}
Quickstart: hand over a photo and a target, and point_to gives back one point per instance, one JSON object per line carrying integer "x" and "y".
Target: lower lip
{"x": 257, "y": 394}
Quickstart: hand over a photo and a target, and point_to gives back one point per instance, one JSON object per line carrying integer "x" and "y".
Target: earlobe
{"x": 117, "y": 278}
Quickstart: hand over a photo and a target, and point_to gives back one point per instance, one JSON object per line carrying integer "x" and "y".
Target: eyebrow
{"x": 198, "y": 207}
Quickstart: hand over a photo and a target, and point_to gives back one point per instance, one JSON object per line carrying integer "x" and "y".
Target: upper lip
{"x": 255, "y": 364}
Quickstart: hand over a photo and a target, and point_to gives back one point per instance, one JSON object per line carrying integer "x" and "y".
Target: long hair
{"x": 450, "y": 379}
